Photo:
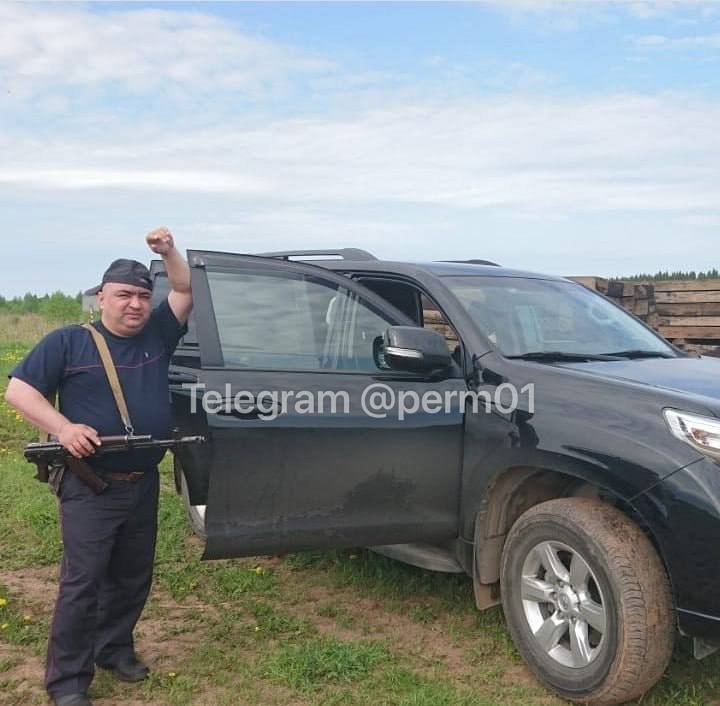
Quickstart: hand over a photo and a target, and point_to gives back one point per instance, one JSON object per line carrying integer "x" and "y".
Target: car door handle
{"x": 249, "y": 412}
{"x": 177, "y": 378}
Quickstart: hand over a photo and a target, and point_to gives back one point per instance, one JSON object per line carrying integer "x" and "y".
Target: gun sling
{"x": 52, "y": 459}
{"x": 80, "y": 467}
{"x": 112, "y": 376}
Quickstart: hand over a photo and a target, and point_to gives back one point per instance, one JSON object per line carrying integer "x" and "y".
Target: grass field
{"x": 337, "y": 628}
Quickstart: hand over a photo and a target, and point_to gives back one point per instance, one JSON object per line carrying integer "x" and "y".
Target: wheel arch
{"x": 514, "y": 491}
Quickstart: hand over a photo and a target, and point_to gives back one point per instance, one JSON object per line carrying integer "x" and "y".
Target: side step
{"x": 425, "y": 556}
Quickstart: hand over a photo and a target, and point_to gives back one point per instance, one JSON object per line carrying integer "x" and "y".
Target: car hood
{"x": 698, "y": 376}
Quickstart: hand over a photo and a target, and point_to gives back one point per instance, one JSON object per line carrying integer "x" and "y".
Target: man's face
{"x": 125, "y": 308}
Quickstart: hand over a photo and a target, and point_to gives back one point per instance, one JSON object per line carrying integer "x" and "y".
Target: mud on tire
{"x": 587, "y": 601}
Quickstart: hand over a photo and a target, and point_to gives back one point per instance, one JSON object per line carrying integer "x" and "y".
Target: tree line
{"x": 666, "y": 274}
{"x": 67, "y": 307}
{"x": 57, "y": 306}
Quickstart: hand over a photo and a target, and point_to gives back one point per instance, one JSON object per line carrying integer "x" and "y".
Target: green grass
{"x": 339, "y": 628}
{"x": 28, "y": 516}
{"x": 313, "y": 664}
{"x": 29, "y": 533}
{"x": 386, "y": 578}
{"x": 21, "y": 624}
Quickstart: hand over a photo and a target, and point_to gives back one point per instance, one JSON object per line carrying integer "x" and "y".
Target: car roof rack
{"x": 475, "y": 262}
{"x": 340, "y": 253}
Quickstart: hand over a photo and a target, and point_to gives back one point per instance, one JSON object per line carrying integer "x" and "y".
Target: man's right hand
{"x": 79, "y": 439}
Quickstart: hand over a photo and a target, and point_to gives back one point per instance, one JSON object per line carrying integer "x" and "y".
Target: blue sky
{"x": 561, "y": 137}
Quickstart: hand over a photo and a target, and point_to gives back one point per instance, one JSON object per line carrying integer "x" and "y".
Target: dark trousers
{"x": 105, "y": 577}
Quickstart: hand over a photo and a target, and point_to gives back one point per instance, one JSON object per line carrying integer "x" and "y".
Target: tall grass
{"x": 27, "y": 329}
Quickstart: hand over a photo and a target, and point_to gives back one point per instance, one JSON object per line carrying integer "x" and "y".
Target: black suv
{"x": 582, "y": 492}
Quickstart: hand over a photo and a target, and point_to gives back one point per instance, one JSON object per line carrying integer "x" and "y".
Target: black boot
{"x": 131, "y": 670}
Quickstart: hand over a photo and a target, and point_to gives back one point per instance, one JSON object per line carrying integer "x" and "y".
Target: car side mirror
{"x": 415, "y": 349}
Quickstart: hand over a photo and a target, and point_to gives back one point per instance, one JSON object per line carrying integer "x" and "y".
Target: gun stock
{"x": 46, "y": 454}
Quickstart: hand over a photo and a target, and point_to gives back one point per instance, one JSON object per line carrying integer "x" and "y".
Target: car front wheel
{"x": 587, "y": 601}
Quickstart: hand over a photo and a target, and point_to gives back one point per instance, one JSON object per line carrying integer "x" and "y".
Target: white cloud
{"x": 568, "y": 15}
{"x": 530, "y": 154}
{"x": 302, "y": 228}
{"x": 701, "y": 41}
{"x": 558, "y": 15}
{"x": 368, "y": 155}
{"x": 142, "y": 50}
{"x": 652, "y": 9}
{"x": 137, "y": 179}
{"x": 651, "y": 40}
{"x": 702, "y": 220}
{"x": 644, "y": 9}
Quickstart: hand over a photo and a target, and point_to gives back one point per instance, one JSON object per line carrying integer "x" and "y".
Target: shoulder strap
{"x": 112, "y": 376}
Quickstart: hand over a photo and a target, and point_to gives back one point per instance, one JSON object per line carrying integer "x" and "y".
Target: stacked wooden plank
{"x": 599, "y": 284}
{"x": 434, "y": 319}
{"x": 688, "y": 312}
{"x": 637, "y": 298}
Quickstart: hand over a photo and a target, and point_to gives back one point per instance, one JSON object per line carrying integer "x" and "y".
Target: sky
{"x": 572, "y": 138}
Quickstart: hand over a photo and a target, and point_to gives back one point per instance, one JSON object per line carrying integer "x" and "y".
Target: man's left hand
{"x": 160, "y": 241}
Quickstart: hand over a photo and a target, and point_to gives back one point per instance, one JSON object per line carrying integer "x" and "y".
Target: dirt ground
{"x": 163, "y": 642}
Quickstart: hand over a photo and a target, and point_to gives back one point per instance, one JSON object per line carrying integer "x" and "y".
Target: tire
{"x": 587, "y": 601}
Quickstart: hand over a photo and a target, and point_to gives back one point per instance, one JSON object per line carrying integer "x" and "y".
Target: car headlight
{"x": 702, "y": 433}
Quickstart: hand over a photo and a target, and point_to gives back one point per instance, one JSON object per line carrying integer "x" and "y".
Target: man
{"x": 108, "y": 539}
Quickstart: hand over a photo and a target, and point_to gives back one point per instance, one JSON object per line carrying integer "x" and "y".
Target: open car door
{"x": 297, "y": 456}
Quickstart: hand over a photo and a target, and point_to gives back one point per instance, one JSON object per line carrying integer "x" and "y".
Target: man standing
{"x": 108, "y": 539}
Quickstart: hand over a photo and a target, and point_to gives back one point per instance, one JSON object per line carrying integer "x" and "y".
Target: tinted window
{"x": 527, "y": 315}
{"x": 415, "y": 305}
{"x": 291, "y": 322}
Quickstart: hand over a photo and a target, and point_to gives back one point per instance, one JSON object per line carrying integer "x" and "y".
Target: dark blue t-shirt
{"x": 67, "y": 361}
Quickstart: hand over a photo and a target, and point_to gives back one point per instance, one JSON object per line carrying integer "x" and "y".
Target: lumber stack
{"x": 688, "y": 312}
{"x": 599, "y": 284}
{"x": 433, "y": 319}
{"x": 636, "y": 298}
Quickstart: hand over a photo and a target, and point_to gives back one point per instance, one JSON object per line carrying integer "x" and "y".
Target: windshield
{"x": 522, "y": 316}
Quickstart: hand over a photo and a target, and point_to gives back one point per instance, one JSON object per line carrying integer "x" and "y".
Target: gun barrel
{"x": 109, "y": 444}
{"x": 190, "y": 440}
{"x": 160, "y": 443}
{"x": 125, "y": 439}
{"x": 39, "y": 448}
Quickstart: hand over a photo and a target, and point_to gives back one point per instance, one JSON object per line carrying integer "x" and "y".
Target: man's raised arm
{"x": 180, "y": 300}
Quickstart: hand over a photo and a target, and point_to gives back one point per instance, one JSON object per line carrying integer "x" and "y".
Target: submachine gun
{"x": 51, "y": 456}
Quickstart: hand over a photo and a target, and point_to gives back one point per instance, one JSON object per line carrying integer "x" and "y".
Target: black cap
{"x": 125, "y": 272}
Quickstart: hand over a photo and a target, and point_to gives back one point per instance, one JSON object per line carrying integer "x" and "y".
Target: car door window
{"x": 275, "y": 321}
{"x": 362, "y": 338}
{"x": 418, "y": 306}
{"x": 434, "y": 319}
